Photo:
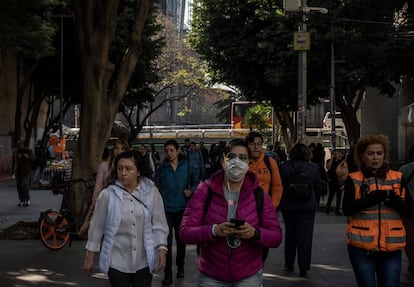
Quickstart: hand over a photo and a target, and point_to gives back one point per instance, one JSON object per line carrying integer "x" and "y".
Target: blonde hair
{"x": 363, "y": 143}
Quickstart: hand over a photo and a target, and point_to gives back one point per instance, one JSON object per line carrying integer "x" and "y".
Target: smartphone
{"x": 237, "y": 222}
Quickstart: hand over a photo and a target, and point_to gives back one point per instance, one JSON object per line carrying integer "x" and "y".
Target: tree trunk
{"x": 287, "y": 128}
{"x": 95, "y": 24}
{"x": 349, "y": 101}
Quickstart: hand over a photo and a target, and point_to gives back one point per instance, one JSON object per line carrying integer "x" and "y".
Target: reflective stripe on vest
{"x": 378, "y": 227}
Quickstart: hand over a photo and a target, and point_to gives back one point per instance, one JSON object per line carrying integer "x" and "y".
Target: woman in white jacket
{"x": 128, "y": 226}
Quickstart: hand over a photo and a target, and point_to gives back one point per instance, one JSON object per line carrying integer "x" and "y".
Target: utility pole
{"x": 332, "y": 97}
{"x": 61, "y": 80}
{"x": 302, "y": 78}
{"x": 302, "y": 44}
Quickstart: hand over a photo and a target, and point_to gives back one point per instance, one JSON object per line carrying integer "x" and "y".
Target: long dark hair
{"x": 126, "y": 146}
{"x": 300, "y": 152}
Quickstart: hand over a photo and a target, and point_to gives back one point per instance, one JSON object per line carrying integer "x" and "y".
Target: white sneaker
{"x": 20, "y": 203}
{"x": 26, "y": 203}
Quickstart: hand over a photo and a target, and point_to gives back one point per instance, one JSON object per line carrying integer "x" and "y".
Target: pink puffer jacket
{"x": 216, "y": 259}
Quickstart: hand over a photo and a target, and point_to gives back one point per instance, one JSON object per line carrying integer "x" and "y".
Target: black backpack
{"x": 298, "y": 187}
{"x": 258, "y": 195}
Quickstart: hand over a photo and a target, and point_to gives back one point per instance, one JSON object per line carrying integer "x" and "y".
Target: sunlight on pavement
{"x": 330, "y": 267}
{"x": 286, "y": 278}
{"x": 41, "y": 276}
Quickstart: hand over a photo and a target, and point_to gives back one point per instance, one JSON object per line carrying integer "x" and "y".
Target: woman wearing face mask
{"x": 230, "y": 254}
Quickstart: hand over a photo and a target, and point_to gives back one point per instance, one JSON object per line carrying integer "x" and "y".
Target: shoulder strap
{"x": 269, "y": 167}
{"x": 208, "y": 199}
{"x": 258, "y": 195}
{"x": 136, "y": 198}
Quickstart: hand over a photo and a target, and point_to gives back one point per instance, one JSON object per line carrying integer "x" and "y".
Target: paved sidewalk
{"x": 26, "y": 263}
{"x": 10, "y": 213}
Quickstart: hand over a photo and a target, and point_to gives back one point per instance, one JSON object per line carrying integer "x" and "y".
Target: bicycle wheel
{"x": 53, "y": 230}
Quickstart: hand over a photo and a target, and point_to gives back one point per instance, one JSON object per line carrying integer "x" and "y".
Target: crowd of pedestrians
{"x": 229, "y": 199}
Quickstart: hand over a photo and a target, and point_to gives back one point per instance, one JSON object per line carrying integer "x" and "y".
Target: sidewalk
{"x": 10, "y": 213}
{"x": 28, "y": 263}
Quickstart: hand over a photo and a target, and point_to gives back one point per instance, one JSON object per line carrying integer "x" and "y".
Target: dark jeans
{"x": 23, "y": 187}
{"x": 380, "y": 269}
{"x": 298, "y": 236}
{"x": 334, "y": 190}
{"x": 174, "y": 222}
{"x": 141, "y": 278}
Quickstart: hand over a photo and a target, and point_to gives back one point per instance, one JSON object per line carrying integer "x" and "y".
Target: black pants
{"x": 141, "y": 278}
{"x": 334, "y": 190}
{"x": 174, "y": 222}
{"x": 298, "y": 235}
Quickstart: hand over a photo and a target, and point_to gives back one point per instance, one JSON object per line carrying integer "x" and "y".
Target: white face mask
{"x": 235, "y": 169}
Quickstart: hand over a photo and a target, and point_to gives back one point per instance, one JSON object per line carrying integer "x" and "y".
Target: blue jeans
{"x": 252, "y": 281}
{"x": 374, "y": 269}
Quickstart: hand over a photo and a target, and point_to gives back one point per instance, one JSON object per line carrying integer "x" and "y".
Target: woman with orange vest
{"x": 374, "y": 202}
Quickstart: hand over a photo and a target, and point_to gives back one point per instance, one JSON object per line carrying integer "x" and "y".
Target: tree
{"x": 241, "y": 42}
{"x": 171, "y": 73}
{"x": 247, "y": 44}
{"x": 27, "y": 34}
{"x": 372, "y": 52}
{"x": 104, "y": 83}
{"x": 257, "y": 117}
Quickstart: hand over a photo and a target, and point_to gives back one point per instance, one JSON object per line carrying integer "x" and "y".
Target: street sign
{"x": 301, "y": 41}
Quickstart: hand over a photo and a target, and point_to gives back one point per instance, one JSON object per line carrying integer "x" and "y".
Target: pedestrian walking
{"x": 104, "y": 176}
{"x": 24, "y": 160}
{"x": 41, "y": 159}
{"x": 231, "y": 231}
{"x": 374, "y": 202}
{"x": 196, "y": 162}
{"x": 176, "y": 182}
{"x": 300, "y": 200}
{"x": 265, "y": 168}
{"x": 335, "y": 189}
{"x": 128, "y": 226}
{"x": 408, "y": 183}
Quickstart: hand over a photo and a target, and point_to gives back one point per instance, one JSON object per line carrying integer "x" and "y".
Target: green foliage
{"x": 257, "y": 117}
{"x": 139, "y": 89}
{"x": 26, "y": 28}
{"x": 241, "y": 42}
{"x": 248, "y": 44}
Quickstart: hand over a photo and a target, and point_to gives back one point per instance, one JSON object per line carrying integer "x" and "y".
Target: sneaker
{"x": 26, "y": 203}
{"x": 20, "y": 204}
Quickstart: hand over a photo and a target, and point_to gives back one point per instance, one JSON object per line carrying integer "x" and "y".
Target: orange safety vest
{"x": 379, "y": 227}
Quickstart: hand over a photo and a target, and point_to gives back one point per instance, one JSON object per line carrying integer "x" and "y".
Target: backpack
{"x": 298, "y": 187}
{"x": 258, "y": 195}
